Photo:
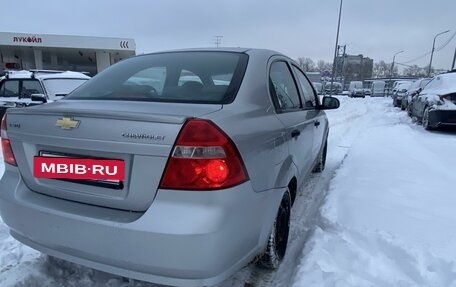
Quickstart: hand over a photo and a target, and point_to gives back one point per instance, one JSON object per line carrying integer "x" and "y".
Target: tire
{"x": 425, "y": 119}
{"x": 278, "y": 239}
{"x": 320, "y": 166}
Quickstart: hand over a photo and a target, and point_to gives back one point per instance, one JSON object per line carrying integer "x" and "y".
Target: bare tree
{"x": 306, "y": 64}
{"x": 415, "y": 71}
{"x": 320, "y": 65}
{"x": 382, "y": 70}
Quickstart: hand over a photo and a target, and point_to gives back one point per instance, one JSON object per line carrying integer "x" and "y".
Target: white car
{"x": 17, "y": 87}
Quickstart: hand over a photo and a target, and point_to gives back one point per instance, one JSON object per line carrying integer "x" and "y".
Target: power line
{"x": 428, "y": 53}
{"x": 446, "y": 43}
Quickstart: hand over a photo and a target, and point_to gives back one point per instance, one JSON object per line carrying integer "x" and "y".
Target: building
{"x": 354, "y": 67}
{"x": 62, "y": 52}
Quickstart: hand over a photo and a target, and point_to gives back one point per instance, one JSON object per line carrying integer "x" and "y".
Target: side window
{"x": 222, "y": 80}
{"x": 188, "y": 76}
{"x": 148, "y": 81}
{"x": 308, "y": 92}
{"x": 283, "y": 87}
{"x": 30, "y": 87}
{"x": 10, "y": 88}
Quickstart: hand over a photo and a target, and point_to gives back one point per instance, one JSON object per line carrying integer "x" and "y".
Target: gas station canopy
{"x": 62, "y": 52}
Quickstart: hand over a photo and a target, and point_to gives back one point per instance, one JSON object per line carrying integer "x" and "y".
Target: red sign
{"x": 78, "y": 168}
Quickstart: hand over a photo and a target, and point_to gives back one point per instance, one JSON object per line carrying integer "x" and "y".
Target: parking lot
{"x": 381, "y": 214}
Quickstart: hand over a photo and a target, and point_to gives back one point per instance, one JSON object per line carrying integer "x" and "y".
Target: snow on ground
{"x": 389, "y": 218}
{"x": 381, "y": 214}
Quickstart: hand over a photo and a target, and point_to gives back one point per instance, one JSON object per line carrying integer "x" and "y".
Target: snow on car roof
{"x": 442, "y": 84}
{"x": 404, "y": 85}
{"x": 46, "y": 75}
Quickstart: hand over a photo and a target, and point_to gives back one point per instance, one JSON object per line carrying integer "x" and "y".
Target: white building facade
{"x": 62, "y": 52}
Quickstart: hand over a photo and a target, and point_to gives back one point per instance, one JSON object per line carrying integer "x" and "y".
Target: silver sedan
{"x": 176, "y": 168}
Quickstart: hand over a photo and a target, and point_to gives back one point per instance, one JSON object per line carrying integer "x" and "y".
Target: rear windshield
{"x": 185, "y": 77}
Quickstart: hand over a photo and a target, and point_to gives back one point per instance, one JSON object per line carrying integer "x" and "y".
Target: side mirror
{"x": 329, "y": 103}
{"x": 38, "y": 98}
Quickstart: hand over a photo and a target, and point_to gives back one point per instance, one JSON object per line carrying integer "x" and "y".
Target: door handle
{"x": 295, "y": 133}
{"x": 316, "y": 123}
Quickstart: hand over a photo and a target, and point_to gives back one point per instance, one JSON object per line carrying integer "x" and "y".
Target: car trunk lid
{"x": 141, "y": 134}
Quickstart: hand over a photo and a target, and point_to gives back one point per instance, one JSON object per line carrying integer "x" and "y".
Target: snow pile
{"x": 390, "y": 217}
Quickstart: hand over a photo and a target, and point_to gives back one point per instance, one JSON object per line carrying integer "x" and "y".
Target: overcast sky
{"x": 297, "y": 28}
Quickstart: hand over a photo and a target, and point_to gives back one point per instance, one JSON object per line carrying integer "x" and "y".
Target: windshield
{"x": 186, "y": 77}
{"x": 56, "y": 88}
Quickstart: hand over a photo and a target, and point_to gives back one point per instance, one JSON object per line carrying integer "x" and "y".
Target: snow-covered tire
{"x": 409, "y": 110}
{"x": 425, "y": 119}
{"x": 320, "y": 166}
{"x": 278, "y": 239}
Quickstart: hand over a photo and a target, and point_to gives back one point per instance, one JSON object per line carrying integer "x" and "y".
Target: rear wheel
{"x": 278, "y": 239}
{"x": 425, "y": 119}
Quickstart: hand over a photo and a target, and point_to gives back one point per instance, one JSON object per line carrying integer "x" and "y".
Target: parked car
{"x": 400, "y": 92}
{"x": 435, "y": 105}
{"x": 210, "y": 169}
{"x": 356, "y": 89}
{"x": 334, "y": 89}
{"x": 378, "y": 88}
{"x": 318, "y": 87}
{"x": 393, "y": 89}
{"x": 17, "y": 87}
{"x": 415, "y": 88}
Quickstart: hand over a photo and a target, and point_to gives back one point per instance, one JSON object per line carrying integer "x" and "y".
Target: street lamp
{"x": 335, "y": 51}
{"x": 392, "y": 69}
{"x": 433, "y": 48}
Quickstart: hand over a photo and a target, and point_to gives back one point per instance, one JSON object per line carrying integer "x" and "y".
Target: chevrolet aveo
{"x": 176, "y": 168}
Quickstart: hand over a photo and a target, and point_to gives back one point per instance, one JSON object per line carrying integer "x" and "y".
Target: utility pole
{"x": 454, "y": 59}
{"x": 335, "y": 50}
{"x": 391, "y": 73}
{"x": 341, "y": 55}
{"x": 217, "y": 40}
{"x": 433, "y": 48}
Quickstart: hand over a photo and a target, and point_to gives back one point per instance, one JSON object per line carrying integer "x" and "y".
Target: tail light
{"x": 203, "y": 158}
{"x": 8, "y": 154}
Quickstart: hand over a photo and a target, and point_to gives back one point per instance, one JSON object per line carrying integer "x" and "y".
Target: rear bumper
{"x": 183, "y": 239}
{"x": 440, "y": 118}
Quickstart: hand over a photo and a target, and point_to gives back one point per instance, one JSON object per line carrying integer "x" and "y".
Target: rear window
{"x": 185, "y": 77}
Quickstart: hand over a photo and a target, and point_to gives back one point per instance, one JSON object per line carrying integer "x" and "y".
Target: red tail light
{"x": 8, "y": 154}
{"x": 203, "y": 158}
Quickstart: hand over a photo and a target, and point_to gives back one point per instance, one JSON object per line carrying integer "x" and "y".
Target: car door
{"x": 298, "y": 124}
{"x": 316, "y": 116}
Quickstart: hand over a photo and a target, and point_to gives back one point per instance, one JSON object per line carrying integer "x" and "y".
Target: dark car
{"x": 435, "y": 106}
{"x": 414, "y": 90}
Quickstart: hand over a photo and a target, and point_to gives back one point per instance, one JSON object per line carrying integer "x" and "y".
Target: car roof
{"x": 249, "y": 51}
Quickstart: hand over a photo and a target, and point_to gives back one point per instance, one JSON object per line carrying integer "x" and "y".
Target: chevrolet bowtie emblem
{"x": 67, "y": 123}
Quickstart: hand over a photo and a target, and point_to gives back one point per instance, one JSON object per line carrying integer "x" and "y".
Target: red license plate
{"x": 78, "y": 168}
